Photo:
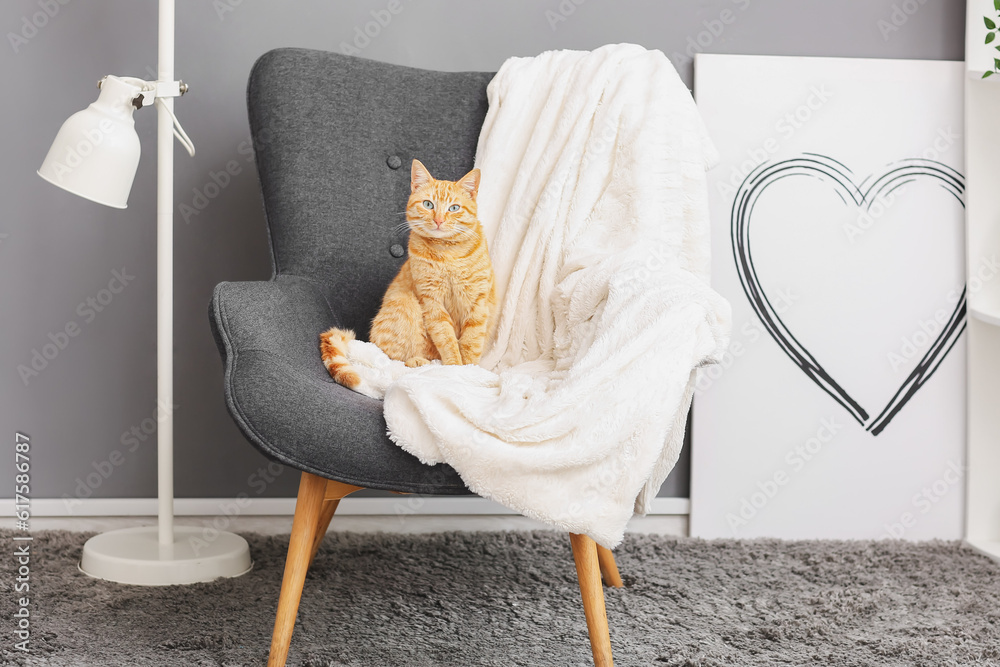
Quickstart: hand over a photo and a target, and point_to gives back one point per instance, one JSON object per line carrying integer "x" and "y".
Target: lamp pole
{"x": 165, "y": 281}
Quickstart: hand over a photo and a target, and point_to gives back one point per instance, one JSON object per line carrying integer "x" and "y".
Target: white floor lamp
{"x": 95, "y": 155}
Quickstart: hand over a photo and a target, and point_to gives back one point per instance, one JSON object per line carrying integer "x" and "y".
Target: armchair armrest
{"x": 287, "y": 405}
{"x": 282, "y": 317}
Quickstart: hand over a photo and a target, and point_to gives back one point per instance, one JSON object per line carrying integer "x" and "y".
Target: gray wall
{"x": 57, "y": 250}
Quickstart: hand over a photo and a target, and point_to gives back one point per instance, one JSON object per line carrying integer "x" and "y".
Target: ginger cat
{"x": 440, "y": 303}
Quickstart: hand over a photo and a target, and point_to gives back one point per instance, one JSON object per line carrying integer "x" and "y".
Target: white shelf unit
{"x": 982, "y": 160}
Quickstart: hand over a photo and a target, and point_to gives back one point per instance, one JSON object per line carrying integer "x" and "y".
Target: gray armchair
{"x": 333, "y": 139}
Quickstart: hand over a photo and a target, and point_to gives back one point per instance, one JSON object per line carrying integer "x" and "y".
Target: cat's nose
{"x": 438, "y": 222}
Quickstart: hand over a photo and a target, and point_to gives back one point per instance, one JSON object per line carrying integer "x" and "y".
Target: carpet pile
{"x": 471, "y": 599}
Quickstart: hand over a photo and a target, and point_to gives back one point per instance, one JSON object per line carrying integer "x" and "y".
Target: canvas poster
{"x": 838, "y": 237}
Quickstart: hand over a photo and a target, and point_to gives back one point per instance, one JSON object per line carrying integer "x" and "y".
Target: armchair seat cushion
{"x": 285, "y": 402}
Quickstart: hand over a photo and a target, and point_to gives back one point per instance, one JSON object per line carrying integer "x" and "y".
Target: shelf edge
{"x": 989, "y": 548}
{"x": 984, "y": 316}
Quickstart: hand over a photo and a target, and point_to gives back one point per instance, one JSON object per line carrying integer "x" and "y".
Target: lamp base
{"x": 134, "y": 556}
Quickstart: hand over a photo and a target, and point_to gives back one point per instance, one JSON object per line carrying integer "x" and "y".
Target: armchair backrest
{"x": 334, "y": 137}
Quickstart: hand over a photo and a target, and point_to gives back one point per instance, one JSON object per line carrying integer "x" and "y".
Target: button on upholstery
{"x": 394, "y": 162}
{"x": 396, "y": 250}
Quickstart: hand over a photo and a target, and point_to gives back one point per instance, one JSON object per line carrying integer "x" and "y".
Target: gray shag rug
{"x": 469, "y": 599}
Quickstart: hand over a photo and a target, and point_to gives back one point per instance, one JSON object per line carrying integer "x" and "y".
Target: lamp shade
{"x": 96, "y": 152}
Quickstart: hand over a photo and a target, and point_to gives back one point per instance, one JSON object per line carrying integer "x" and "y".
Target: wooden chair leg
{"x": 608, "y": 567}
{"x": 305, "y": 525}
{"x": 588, "y": 571}
{"x": 326, "y": 514}
{"x": 317, "y": 501}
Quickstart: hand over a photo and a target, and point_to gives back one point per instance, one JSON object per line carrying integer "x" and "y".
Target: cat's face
{"x": 441, "y": 209}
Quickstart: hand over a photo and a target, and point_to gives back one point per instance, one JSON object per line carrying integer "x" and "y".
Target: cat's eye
{"x": 454, "y": 207}
{"x": 428, "y": 203}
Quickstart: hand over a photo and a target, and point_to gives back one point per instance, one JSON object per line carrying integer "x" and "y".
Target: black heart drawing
{"x": 829, "y": 170}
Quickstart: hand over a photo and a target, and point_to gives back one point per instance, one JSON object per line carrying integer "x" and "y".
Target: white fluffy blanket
{"x": 594, "y": 204}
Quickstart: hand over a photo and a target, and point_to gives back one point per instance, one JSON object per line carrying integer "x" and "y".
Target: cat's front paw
{"x": 416, "y": 362}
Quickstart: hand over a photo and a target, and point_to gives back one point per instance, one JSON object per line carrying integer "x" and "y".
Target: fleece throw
{"x": 594, "y": 205}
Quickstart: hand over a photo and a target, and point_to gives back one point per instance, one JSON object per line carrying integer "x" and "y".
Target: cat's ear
{"x": 419, "y": 176}
{"x": 470, "y": 183}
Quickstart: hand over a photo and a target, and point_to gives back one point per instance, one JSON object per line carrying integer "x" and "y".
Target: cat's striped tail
{"x": 333, "y": 350}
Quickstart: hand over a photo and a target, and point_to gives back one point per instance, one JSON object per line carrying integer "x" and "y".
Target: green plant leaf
{"x": 996, "y": 3}
{"x": 996, "y": 63}
{"x": 986, "y": 74}
{"x": 989, "y": 23}
{"x": 990, "y": 36}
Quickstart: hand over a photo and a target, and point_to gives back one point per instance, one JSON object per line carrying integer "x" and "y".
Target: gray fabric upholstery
{"x": 325, "y": 126}
{"x": 333, "y": 138}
